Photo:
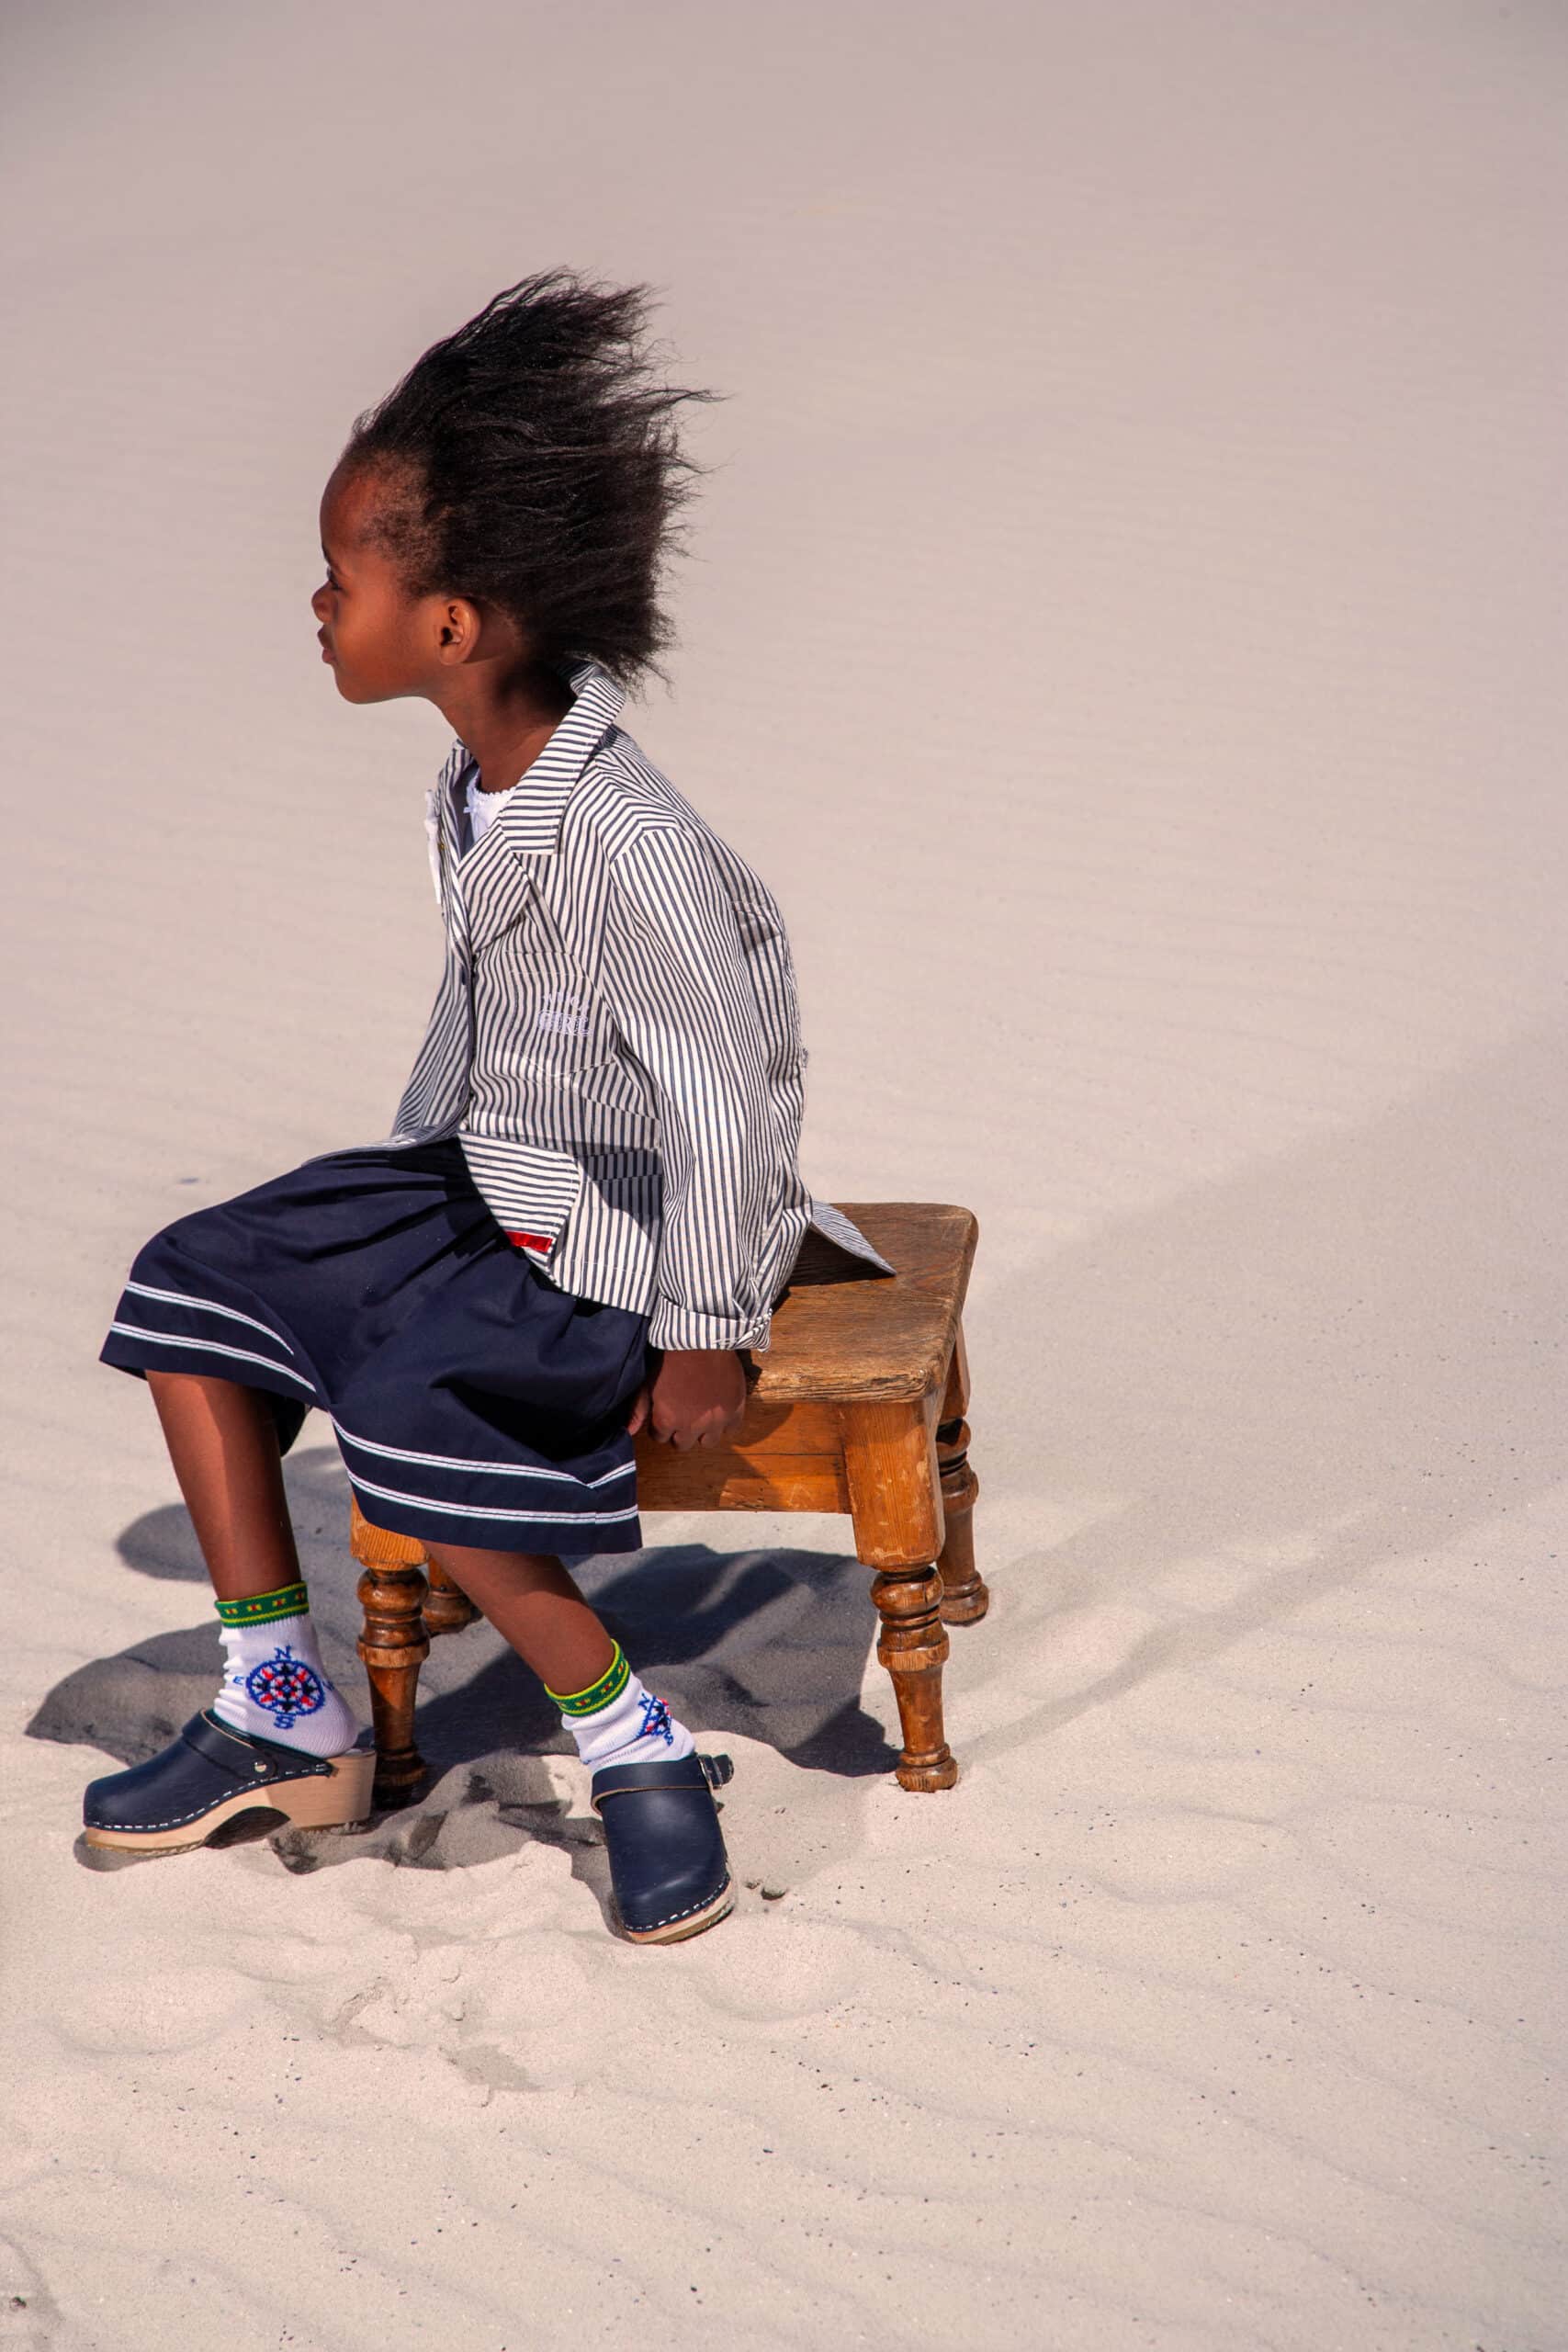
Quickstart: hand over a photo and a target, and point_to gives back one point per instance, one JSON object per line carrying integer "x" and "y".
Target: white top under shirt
{"x": 480, "y": 809}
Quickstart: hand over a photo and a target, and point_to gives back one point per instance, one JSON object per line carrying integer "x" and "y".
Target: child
{"x": 589, "y": 1200}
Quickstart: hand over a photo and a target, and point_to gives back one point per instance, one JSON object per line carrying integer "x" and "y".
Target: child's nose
{"x": 319, "y": 604}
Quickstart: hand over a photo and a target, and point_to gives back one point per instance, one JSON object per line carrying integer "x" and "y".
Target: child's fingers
{"x": 639, "y": 1410}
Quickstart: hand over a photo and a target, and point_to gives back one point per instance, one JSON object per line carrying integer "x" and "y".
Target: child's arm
{"x": 678, "y": 982}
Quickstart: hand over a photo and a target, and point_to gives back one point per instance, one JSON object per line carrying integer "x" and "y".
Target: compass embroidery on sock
{"x": 655, "y": 1719}
{"x": 284, "y": 1687}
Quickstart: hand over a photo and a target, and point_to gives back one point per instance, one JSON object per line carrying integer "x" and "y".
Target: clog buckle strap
{"x": 716, "y": 1771}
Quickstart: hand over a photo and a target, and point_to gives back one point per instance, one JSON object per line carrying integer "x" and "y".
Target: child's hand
{"x": 697, "y": 1399}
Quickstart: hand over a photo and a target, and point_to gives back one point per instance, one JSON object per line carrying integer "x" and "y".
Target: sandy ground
{"x": 1124, "y": 625}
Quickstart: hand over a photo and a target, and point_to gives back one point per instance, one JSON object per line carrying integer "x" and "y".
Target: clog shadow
{"x": 770, "y": 1644}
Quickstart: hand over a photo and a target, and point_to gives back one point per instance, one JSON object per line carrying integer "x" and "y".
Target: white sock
{"x": 274, "y": 1686}
{"x": 616, "y": 1720}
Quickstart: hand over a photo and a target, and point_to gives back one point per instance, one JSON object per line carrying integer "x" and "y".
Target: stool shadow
{"x": 771, "y": 1644}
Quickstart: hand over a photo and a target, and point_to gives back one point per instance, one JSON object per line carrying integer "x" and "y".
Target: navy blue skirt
{"x": 473, "y": 1401}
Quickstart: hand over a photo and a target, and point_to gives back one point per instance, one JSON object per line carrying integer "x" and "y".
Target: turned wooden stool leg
{"x": 912, "y": 1645}
{"x": 890, "y": 1469}
{"x": 394, "y": 1647}
{"x": 447, "y": 1611}
{"x": 963, "y": 1596}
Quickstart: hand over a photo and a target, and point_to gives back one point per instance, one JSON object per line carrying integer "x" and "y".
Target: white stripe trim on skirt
{"x": 486, "y": 1469}
{"x": 215, "y": 1348}
{"x": 486, "y": 1510}
{"x": 206, "y": 1306}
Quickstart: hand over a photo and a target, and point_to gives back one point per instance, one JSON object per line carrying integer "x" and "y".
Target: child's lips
{"x": 326, "y": 648}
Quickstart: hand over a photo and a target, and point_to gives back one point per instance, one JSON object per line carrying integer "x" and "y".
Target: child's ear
{"x": 457, "y": 629}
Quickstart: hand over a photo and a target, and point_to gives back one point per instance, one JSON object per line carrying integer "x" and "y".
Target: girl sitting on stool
{"x": 590, "y": 1200}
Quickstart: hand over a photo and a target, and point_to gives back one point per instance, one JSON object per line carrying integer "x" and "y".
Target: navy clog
{"x": 667, "y": 1859}
{"x": 209, "y": 1775}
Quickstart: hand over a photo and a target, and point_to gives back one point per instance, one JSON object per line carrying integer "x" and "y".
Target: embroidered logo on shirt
{"x": 563, "y": 1012}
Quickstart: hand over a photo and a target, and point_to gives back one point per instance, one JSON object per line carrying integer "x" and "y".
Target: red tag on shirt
{"x": 540, "y": 1241}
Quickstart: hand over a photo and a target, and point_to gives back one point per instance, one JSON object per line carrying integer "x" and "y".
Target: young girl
{"x": 589, "y": 1200}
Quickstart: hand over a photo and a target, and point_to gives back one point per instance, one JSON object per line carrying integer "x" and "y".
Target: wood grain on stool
{"x": 857, "y": 1407}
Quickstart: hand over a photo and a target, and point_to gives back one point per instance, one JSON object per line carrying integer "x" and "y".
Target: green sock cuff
{"x": 609, "y": 1687}
{"x": 261, "y": 1608}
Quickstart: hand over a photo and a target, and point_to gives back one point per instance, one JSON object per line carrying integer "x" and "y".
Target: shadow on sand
{"x": 1344, "y": 1356}
{"x": 770, "y": 1644}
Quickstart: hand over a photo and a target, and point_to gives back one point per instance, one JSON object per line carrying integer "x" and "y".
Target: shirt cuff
{"x": 675, "y": 1328}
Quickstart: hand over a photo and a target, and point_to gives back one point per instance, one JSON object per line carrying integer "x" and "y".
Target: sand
{"x": 1124, "y": 625}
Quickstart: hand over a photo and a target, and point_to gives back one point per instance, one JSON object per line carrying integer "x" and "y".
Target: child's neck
{"x": 507, "y": 732}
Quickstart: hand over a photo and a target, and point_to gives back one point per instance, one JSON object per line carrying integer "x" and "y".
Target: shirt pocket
{"x": 539, "y": 1016}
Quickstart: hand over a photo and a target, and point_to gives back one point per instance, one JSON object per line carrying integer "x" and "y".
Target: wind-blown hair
{"x": 532, "y": 460}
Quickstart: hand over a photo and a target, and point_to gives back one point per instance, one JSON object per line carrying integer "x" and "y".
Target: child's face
{"x": 380, "y": 643}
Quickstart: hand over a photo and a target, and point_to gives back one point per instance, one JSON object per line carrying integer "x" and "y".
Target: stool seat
{"x": 844, "y": 1330}
{"x": 856, "y": 1405}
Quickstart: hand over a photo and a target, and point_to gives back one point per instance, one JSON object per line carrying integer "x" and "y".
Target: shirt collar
{"x": 529, "y": 818}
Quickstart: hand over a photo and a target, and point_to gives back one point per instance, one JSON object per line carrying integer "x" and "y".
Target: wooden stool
{"x": 857, "y": 1406}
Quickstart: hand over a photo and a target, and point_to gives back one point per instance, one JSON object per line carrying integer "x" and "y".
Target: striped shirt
{"x": 615, "y": 1039}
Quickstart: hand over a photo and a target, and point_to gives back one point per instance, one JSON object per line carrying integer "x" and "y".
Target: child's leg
{"x": 223, "y": 1444}
{"x": 652, "y": 1791}
{"x": 534, "y": 1604}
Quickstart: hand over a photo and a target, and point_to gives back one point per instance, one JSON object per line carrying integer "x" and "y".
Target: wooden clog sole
{"x": 339, "y": 1802}
{"x": 679, "y": 1930}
